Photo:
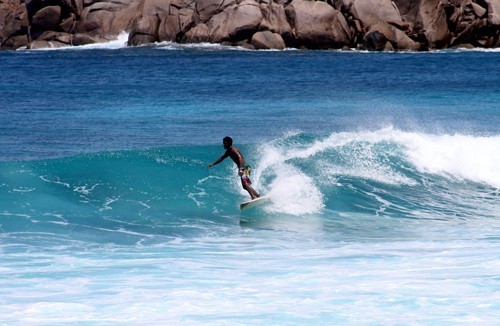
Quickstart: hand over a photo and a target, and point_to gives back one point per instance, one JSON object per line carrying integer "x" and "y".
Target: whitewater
{"x": 382, "y": 171}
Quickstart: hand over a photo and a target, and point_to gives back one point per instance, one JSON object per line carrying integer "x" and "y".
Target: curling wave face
{"x": 151, "y": 195}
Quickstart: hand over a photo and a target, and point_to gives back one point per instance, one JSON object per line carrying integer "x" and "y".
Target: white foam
{"x": 85, "y": 190}
{"x": 471, "y": 50}
{"x": 256, "y": 277}
{"x": 169, "y": 45}
{"x": 292, "y": 191}
{"x": 197, "y": 46}
{"x": 119, "y": 43}
{"x": 56, "y": 181}
{"x": 107, "y": 204}
{"x": 24, "y": 189}
{"x": 197, "y": 196}
{"x": 459, "y": 156}
{"x": 474, "y": 158}
{"x": 362, "y": 159}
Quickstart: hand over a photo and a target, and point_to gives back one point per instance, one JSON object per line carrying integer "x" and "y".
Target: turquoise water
{"x": 382, "y": 169}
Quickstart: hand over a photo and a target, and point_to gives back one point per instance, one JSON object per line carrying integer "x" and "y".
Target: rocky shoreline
{"x": 375, "y": 25}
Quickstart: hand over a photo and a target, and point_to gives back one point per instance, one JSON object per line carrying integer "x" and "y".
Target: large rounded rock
{"x": 384, "y": 37}
{"x": 13, "y": 24}
{"x": 217, "y": 31}
{"x": 176, "y": 24}
{"x": 15, "y": 42}
{"x": 275, "y": 20}
{"x": 47, "y": 18}
{"x": 51, "y": 36}
{"x": 206, "y": 9}
{"x": 371, "y": 12}
{"x": 51, "y": 39}
{"x": 198, "y": 34}
{"x": 83, "y": 39}
{"x": 146, "y": 26}
{"x": 235, "y": 23}
{"x": 144, "y": 31}
{"x": 108, "y": 19}
{"x": 317, "y": 25}
{"x": 493, "y": 12}
{"x": 268, "y": 40}
{"x": 434, "y": 23}
{"x": 244, "y": 21}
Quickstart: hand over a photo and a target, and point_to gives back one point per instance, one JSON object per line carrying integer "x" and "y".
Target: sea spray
{"x": 457, "y": 156}
{"x": 473, "y": 158}
{"x": 291, "y": 190}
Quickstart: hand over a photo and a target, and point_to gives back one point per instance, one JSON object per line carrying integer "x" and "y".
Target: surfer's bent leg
{"x": 246, "y": 183}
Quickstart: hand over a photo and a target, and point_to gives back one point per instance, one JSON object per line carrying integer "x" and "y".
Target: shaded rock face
{"x": 379, "y": 25}
{"x": 371, "y": 12}
{"x": 317, "y": 25}
{"x": 386, "y": 37}
{"x": 46, "y": 18}
{"x": 13, "y": 24}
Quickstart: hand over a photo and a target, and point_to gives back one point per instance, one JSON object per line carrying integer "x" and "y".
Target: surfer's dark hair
{"x": 228, "y": 140}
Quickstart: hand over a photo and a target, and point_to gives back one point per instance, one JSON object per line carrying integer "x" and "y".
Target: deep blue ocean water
{"x": 383, "y": 171}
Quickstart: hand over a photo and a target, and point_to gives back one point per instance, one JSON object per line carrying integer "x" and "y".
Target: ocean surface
{"x": 383, "y": 171}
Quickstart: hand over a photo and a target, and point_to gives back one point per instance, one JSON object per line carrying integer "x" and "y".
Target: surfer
{"x": 243, "y": 168}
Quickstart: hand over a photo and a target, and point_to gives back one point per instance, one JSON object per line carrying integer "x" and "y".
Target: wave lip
{"x": 457, "y": 156}
{"x": 462, "y": 157}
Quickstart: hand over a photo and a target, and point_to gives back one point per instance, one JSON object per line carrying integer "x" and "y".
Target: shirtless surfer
{"x": 243, "y": 168}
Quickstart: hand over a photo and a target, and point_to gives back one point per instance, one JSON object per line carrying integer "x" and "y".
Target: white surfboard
{"x": 254, "y": 202}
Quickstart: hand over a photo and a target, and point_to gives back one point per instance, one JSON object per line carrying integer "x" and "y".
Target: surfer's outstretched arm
{"x": 220, "y": 159}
